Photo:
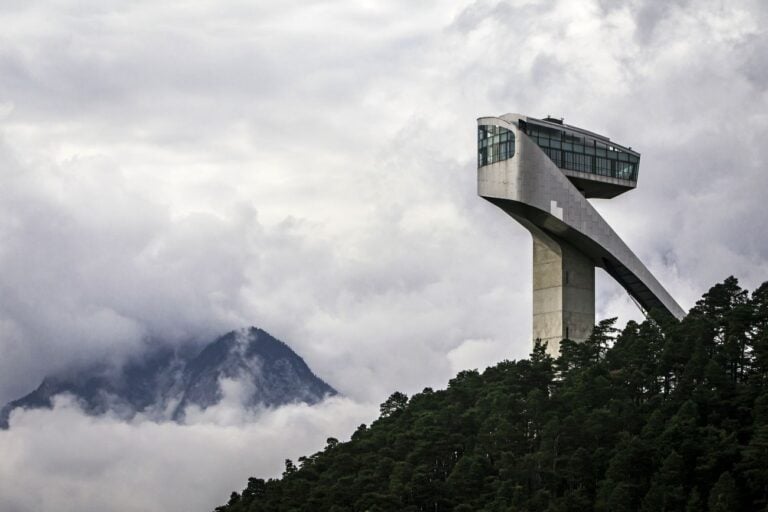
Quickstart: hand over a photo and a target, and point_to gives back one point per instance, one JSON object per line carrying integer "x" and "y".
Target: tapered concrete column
{"x": 563, "y": 292}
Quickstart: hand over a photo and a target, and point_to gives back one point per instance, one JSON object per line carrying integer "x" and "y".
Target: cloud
{"x": 476, "y": 355}
{"x": 64, "y": 460}
{"x": 171, "y": 172}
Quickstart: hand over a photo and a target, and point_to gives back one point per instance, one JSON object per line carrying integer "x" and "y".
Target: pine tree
{"x": 723, "y": 497}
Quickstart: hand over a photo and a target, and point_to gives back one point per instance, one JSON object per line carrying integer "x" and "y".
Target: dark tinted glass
{"x": 494, "y": 144}
{"x": 584, "y": 154}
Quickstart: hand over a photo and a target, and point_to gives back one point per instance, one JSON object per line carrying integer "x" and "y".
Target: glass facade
{"x": 494, "y": 144}
{"x": 584, "y": 154}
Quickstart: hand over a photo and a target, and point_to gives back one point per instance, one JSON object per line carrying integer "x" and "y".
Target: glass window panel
{"x": 573, "y": 152}
{"x": 494, "y": 145}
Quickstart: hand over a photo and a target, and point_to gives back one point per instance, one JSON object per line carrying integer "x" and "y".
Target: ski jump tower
{"x": 541, "y": 172}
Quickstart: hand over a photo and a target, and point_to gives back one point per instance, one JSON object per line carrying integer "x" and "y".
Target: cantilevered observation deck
{"x": 541, "y": 172}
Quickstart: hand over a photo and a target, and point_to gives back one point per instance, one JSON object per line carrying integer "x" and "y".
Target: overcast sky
{"x": 171, "y": 171}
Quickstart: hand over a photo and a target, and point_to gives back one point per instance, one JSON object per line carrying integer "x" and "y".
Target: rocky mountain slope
{"x": 163, "y": 383}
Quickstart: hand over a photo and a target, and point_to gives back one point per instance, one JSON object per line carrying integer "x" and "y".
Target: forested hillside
{"x": 670, "y": 416}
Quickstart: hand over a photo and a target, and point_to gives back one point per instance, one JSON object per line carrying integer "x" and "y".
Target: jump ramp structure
{"x": 541, "y": 172}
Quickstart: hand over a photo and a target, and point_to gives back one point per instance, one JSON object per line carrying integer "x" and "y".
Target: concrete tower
{"x": 541, "y": 172}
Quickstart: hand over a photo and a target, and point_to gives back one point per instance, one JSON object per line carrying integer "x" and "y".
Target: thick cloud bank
{"x": 174, "y": 171}
{"x": 64, "y": 460}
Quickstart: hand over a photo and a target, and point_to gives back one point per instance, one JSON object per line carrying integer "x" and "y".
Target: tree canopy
{"x": 661, "y": 416}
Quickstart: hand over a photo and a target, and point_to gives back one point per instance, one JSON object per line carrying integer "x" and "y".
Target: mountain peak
{"x": 264, "y": 363}
{"x": 163, "y": 383}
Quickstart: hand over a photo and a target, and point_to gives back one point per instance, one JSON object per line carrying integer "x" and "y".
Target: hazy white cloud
{"x": 64, "y": 460}
{"x": 173, "y": 171}
{"x": 476, "y": 354}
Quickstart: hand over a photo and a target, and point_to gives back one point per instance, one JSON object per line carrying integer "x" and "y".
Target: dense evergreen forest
{"x": 661, "y": 416}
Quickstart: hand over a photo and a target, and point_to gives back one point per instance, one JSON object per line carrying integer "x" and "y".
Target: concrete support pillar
{"x": 563, "y": 292}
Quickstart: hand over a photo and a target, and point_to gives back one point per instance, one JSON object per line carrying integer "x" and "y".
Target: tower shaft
{"x": 563, "y": 292}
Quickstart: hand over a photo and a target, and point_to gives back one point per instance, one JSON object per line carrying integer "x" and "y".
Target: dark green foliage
{"x": 394, "y": 404}
{"x": 723, "y": 497}
{"x": 661, "y": 416}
